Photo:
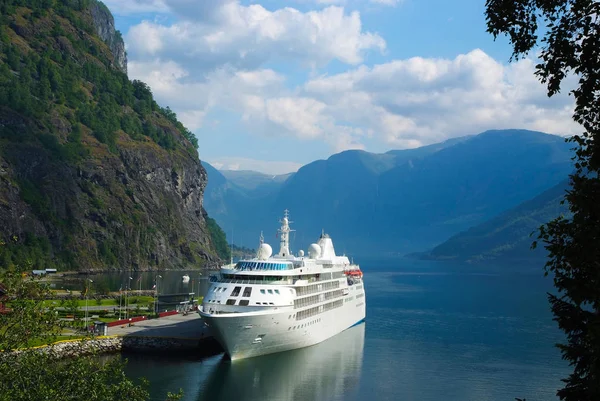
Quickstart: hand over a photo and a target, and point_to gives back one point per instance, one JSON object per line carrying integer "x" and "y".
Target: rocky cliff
{"x": 105, "y": 28}
{"x": 93, "y": 173}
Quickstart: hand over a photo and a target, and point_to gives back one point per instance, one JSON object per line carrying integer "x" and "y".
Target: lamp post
{"x": 86, "y": 302}
{"x": 198, "y": 295}
{"x": 127, "y": 297}
{"x": 120, "y": 297}
{"x": 156, "y": 293}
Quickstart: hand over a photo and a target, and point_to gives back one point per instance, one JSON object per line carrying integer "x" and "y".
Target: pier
{"x": 180, "y": 326}
{"x": 176, "y": 333}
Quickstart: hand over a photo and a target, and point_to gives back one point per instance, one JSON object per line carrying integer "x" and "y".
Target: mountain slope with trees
{"x": 94, "y": 174}
{"x": 507, "y": 236}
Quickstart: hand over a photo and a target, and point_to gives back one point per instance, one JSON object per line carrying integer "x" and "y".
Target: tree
{"x": 570, "y": 44}
{"x": 29, "y": 318}
{"x": 72, "y": 307}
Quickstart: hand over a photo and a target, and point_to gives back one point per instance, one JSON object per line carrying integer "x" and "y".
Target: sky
{"x": 272, "y": 85}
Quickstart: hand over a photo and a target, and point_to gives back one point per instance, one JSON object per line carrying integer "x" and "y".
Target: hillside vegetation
{"x": 94, "y": 174}
{"x": 507, "y": 236}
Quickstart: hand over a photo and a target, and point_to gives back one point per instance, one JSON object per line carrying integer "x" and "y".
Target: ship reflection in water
{"x": 326, "y": 371}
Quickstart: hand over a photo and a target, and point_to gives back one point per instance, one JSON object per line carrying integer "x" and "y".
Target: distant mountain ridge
{"x": 253, "y": 180}
{"x": 398, "y": 201}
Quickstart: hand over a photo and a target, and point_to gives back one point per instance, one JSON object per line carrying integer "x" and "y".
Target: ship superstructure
{"x": 274, "y": 303}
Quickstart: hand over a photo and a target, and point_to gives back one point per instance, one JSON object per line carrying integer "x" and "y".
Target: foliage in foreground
{"x": 39, "y": 376}
{"x": 36, "y": 375}
{"x": 569, "y": 46}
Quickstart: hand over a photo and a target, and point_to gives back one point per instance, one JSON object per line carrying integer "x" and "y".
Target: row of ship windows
{"x": 302, "y": 302}
{"x": 244, "y": 277}
{"x": 300, "y": 291}
{"x": 247, "y": 291}
{"x": 348, "y": 299}
{"x": 319, "y": 309}
{"x": 304, "y": 325}
{"x": 263, "y": 266}
{"x": 243, "y": 302}
{"x": 359, "y": 287}
{"x": 360, "y": 295}
{"x": 309, "y": 289}
{"x": 287, "y": 279}
{"x": 236, "y": 291}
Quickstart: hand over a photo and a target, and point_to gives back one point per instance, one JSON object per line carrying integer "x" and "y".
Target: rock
{"x": 105, "y": 28}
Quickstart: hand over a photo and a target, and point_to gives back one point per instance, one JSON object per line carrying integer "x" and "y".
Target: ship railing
{"x": 291, "y": 280}
{"x": 232, "y": 281}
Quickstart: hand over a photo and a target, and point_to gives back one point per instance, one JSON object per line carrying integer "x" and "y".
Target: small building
{"x": 50, "y": 271}
{"x": 100, "y": 328}
{"x": 38, "y": 272}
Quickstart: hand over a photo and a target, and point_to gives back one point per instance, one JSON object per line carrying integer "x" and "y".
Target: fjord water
{"x": 434, "y": 331}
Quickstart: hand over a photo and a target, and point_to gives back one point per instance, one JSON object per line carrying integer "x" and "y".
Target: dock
{"x": 185, "y": 327}
{"x": 180, "y": 332}
{"x": 175, "y": 334}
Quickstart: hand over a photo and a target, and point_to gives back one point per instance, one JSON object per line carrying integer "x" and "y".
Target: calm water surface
{"x": 434, "y": 331}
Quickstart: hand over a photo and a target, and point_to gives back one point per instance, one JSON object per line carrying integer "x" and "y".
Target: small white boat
{"x": 185, "y": 278}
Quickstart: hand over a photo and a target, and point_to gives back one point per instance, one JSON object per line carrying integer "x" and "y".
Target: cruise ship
{"x": 273, "y": 303}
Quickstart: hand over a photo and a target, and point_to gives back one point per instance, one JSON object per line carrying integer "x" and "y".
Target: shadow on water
{"x": 326, "y": 371}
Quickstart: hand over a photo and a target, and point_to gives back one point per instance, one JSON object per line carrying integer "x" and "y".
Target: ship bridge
{"x": 252, "y": 265}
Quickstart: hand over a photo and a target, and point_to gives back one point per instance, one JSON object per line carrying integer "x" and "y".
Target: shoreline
{"x": 103, "y": 271}
{"x": 103, "y": 345}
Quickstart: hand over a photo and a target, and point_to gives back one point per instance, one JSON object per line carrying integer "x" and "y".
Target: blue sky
{"x": 271, "y": 85}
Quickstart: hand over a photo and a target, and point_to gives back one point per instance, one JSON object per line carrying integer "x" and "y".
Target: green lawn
{"x": 103, "y": 302}
{"x": 39, "y": 341}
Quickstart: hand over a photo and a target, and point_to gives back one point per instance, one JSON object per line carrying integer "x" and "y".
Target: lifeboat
{"x": 354, "y": 273}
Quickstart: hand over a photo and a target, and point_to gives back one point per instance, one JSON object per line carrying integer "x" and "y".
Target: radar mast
{"x": 284, "y": 232}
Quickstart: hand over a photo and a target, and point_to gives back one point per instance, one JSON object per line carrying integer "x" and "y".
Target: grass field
{"x": 39, "y": 341}
{"x": 141, "y": 300}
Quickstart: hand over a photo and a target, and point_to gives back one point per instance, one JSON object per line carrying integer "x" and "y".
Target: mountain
{"x": 94, "y": 174}
{"x": 255, "y": 181}
{"x": 507, "y": 236}
{"x": 402, "y": 200}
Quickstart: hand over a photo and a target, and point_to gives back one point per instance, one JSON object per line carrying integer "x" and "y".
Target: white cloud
{"x": 322, "y": 2}
{"x": 401, "y": 104}
{"x": 242, "y": 163}
{"x": 249, "y": 36}
{"x": 214, "y": 57}
{"x": 418, "y": 101}
{"x": 386, "y": 2}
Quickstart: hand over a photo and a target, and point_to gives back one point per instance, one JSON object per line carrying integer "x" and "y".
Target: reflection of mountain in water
{"x": 325, "y": 371}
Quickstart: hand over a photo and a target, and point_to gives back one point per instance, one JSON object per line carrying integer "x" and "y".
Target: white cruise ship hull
{"x": 250, "y": 334}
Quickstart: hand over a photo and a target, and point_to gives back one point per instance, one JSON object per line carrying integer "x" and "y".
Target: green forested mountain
{"x": 94, "y": 173}
{"x": 507, "y": 236}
